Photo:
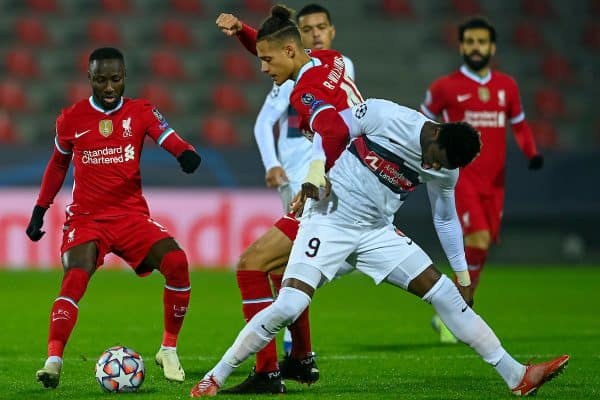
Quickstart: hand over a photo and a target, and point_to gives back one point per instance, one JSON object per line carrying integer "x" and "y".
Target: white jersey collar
{"x": 102, "y": 110}
{"x": 312, "y": 63}
{"x": 473, "y": 76}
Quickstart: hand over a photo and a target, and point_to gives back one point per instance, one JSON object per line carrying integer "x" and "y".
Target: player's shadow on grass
{"x": 399, "y": 347}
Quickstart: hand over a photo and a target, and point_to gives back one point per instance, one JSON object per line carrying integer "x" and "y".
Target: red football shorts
{"x": 479, "y": 211}
{"x": 288, "y": 224}
{"x": 128, "y": 236}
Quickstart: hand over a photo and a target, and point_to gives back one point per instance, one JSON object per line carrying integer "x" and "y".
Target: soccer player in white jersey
{"x": 286, "y": 162}
{"x": 395, "y": 149}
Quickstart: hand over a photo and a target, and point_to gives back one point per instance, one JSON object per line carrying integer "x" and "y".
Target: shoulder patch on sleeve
{"x": 307, "y": 99}
{"x": 161, "y": 120}
{"x": 360, "y": 111}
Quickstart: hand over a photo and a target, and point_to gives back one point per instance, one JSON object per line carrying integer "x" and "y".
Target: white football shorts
{"x": 325, "y": 240}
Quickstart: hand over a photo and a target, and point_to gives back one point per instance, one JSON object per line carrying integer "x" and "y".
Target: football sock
{"x": 257, "y": 295}
{"x": 462, "y": 321}
{"x": 511, "y": 370}
{"x": 475, "y": 260}
{"x": 176, "y": 294}
{"x": 261, "y": 329}
{"x": 300, "y": 329}
{"x": 64, "y": 310}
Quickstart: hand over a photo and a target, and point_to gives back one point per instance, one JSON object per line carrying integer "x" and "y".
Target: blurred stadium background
{"x": 211, "y": 90}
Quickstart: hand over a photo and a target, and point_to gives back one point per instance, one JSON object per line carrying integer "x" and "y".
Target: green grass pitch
{"x": 372, "y": 342}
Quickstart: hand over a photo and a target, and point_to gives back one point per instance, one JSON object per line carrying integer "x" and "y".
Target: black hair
{"x": 279, "y": 25}
{"x": 313, "y": 9}
{"x": 477, "y": 23}
{"x": 106, "y": 53}
{"x": 461, "y": 141}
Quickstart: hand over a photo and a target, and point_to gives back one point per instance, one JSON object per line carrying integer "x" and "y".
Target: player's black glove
{"x": 536, "y": 162}
{"x": 189, "y": 161}
{"x": 34, "y": 229}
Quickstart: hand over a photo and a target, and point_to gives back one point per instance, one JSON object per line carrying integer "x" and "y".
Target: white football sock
{"x": 260, "y": 330}
{"x": 511, "y": 370}
{"x": 469, "y": 328}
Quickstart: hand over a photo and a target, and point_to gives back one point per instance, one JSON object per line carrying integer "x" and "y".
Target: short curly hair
{"x": 461, "y": 141}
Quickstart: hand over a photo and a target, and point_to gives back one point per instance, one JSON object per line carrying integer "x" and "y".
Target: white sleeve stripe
{"x": 518, "y": 118}
{"x": 317, "y": 111}
{"x": 59, "y": 148}
{"x": 428, "y": 112}
{"x": 163, "y": 136}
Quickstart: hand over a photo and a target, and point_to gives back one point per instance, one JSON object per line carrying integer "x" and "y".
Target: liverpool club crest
{"x": 105, "y": 127}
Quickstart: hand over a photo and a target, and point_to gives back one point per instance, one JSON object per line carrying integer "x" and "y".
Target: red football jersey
{"x": 321, "y": 84}
{"x": 488, "y": 103}
{"x": 106, "y": 148}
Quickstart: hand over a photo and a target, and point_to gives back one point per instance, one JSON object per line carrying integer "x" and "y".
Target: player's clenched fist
{"x": 229, "y": 24}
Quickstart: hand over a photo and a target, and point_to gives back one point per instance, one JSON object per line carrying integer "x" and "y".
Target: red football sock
{"x": 64, "y": 310}
{"x": 176, "y": 294}
{"x": 175, "y": 306}
{"x": 300, "y": 329}
{"x": 256, "y": 296}
{"x": 475, "y": 260}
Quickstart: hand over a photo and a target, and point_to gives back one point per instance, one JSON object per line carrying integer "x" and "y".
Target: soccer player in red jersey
{"x": 322, "y": 87}
{"x": 489, "y": 100}
{"x": 104, "y": 135}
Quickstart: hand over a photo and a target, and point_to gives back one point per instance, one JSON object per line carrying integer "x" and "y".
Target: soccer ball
{"x": 120, "y": 369}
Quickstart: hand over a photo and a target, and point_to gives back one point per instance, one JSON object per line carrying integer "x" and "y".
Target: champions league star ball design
{"x": 120, "y": 369}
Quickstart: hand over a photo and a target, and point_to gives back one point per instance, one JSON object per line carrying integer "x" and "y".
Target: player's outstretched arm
{"x": 230, "y": 25}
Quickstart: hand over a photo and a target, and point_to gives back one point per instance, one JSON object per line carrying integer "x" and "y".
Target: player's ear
{"x": 493, "y": 49}
{"x": 332, "y": 32}
{"x": 289, "y": 50}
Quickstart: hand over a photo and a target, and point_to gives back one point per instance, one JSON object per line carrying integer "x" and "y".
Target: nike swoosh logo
{"x": 464, "y": 309}
{"x": 463, "y": 97}
{"x": 80, "y": 134}
{"x": 266, "y": 330}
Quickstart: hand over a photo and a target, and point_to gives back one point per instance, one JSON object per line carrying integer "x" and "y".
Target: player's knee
{"x": 290, "y": 304}
{"x": 174, "y": 267}
{"x": 480, "y": 240}
{"x": 251, "y": 260}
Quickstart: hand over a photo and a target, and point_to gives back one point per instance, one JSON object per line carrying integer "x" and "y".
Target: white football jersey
{"x": 396, "y": 129}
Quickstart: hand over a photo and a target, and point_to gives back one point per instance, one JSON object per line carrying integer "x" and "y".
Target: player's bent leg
{"x": 79, "y": 263}
{"x": 295, "y": 296}
{"x": 268, "y": 252}
{"x": 176, "y": 297}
